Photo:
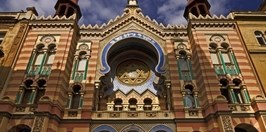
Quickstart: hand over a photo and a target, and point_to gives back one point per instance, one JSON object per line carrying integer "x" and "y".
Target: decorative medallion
{"x": 133, "y": 72}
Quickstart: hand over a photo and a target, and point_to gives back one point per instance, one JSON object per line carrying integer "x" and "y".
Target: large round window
{"x": 133, "y": 72}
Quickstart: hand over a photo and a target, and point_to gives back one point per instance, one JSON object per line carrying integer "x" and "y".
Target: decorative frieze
{"x": 227, "y": 126}
{"x": 38, "y": 124}
{"x": 132, "y": 114}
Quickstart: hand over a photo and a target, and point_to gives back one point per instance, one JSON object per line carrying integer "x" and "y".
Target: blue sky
{"x": 101, "y": 11}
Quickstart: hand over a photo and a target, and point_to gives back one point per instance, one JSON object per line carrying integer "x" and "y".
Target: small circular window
{"x": 132, "y": 72}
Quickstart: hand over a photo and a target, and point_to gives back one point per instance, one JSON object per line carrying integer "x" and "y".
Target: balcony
{"x": 46, "y": 70}
{"x": 186, "y": 76}
{"x": 79, "y": 76}
{"x": 227, "y": 69}
{"x": 40, "y": 70}
{"x": 34, "y": 70}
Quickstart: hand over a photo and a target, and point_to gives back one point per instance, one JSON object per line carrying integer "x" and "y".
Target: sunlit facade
{"x": 132, "y": 74}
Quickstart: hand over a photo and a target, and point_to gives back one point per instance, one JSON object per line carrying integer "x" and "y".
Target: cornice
{"x": 250, "y": 15}
{"x": 211, "y": 21}
{"x": 53, "y": 22}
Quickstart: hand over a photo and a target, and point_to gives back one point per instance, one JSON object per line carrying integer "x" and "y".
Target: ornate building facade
{"x": 132, "y": 74}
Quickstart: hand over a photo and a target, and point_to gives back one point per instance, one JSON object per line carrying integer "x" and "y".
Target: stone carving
{"x": 38, "y": 124}
{"x": 151, "y": 114}
{"x": 114, "y": 115}
{"x": 72, "y": 113}
{"x": 133, "y": 114}
{"x": 20, "y": 109}
{"x": 226, "y": 120}
{"x": 133, "y": 72}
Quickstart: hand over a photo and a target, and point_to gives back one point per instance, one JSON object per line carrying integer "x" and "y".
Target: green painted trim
{"x": 179, "y": 70}
{"x": 221, "y": 57}
{"x": 29, "y": 66}
{"x": 32, "y": 96}
{"x": 235, "y": 62}
{"x": 86, "y": 70}
{"x": 233, "y": 96}
{"x": 43, "y": 60}
{"x": 74, "y": 69}
{"x": 69, "y": 102}
{"x": 190, "y": 70}
{"x": 18, "y": 97}
{"x": 196, "y": 101}
{"x": 81, "y": 101}
{"x": 184, "y": 101}
{"x": 247, "y": 97}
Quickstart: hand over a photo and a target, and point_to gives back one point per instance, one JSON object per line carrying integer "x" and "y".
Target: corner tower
{"x": 67, "y": 8}
{"x": 197, "y": 7}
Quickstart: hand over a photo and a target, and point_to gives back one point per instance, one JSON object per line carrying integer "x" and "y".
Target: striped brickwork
{"x": 177, "y": 99}
{"x": 89, "y": 95}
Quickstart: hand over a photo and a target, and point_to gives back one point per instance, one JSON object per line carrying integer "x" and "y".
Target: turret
{"x": 67, "y": 8}
{"x": 197, "y": 7}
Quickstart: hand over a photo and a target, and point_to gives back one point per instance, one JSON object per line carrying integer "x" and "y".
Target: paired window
{"x": 236, "y": 94}
{"x": 132, "y": 104}
{"x": 223, "y": 60}
{"x": 75, "y": 100}
{"x": 260, "y": 37}
{"x": 29, "y": 94}
{"x": 42, "y": 60}
{"x": 190, "y": 97}
{"x": 79, "y": 72}
{"x": 184, "y": 67}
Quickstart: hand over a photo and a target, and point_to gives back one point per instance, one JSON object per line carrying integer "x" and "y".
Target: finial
{"x": 132, "y": 3}
{"x": 75, "y": 1}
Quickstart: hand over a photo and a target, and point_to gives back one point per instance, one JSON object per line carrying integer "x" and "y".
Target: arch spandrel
{"x": 105, "y": 68}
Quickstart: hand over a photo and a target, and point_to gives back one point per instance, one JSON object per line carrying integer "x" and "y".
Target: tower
{"x": 197, "y": 7}
{"x": 67, "y": 8}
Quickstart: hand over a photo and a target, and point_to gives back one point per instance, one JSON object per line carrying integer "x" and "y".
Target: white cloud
{"x": 172, "y": 11}
{"x": 100, "y": 11}
{"x": 43, "y": 6}
{"x": 219, "y": 6}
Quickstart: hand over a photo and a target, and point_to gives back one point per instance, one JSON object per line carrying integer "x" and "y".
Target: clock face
{"x": 133, "y": 72}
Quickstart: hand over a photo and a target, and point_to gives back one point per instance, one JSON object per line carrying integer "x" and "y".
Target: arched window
{"x": 118, "y": 104}
{"x": 47, "y": 66}
{"x": 20, "y": 128}
{"x": 70, "y": 11}
{"x": 62, "y": 10}
{"x": 190, "y": 100}
{"x": 40, "y": 91}
{"x": 104, "y": 128}
{"x": 147, "y": 104}
{"x": 80, "y": 66}
{"x": 245, "y": 128}
{"x": 161, "y": 128}
{"x": 223, "y": 59}
{"x": 132, "y": 104}
{"x": 184, "y": 66}
{"x": 42, "y": 57}
{"x": 237, "y": 94}
{"x": 202, "y": 10}
{"x": 75, "y": 98}
{"x": 260, "y": 37}
{"x": 194, "y": 11}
